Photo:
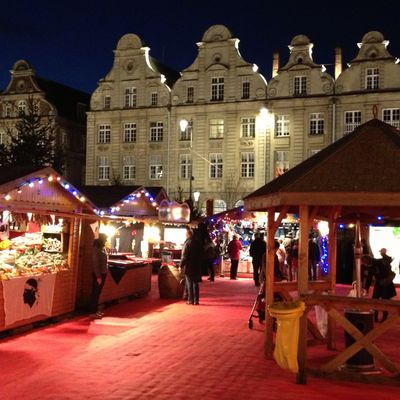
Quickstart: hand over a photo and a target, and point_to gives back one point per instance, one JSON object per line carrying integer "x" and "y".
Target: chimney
{"x": 338, "y": 62}
{"x": 275, "y": 64}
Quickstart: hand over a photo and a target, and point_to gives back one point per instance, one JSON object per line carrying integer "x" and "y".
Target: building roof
{"x": 360, "y": 169}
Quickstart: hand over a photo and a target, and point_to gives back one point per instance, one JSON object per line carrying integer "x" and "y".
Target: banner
{"x": 28, "y": 296}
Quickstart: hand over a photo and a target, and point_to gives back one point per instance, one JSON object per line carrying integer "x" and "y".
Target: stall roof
{"x": 234, "y": 213}
{"x": 359, "y": 170}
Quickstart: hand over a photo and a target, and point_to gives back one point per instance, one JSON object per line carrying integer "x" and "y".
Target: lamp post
{"x": 184, "y": 124}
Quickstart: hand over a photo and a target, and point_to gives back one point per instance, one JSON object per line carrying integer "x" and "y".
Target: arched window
{"x": 219, "y": 206}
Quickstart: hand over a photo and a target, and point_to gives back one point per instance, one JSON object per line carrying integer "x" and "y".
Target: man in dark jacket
{"x": 257, "y": 251}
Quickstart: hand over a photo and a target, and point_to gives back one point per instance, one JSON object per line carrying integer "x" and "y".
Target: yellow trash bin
{"x": 287, "y": 316}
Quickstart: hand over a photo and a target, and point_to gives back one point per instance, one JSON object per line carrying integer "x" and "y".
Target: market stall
{"x": 41, "y": 217}
{"x": 128, "y": 215}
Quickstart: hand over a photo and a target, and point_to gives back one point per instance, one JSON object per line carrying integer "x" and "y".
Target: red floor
{"x": 161, "y": 349}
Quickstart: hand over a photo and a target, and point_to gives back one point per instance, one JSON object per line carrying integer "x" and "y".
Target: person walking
{"x": 192, "y": 259}
{"x": 257, "y": 251}
{"x": 234, "y": 248}
{"x": 99, "y": 274}
{"x": 383, "y": 286}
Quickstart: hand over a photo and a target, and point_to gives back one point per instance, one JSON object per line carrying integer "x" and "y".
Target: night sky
{"x": 72, "y": 42}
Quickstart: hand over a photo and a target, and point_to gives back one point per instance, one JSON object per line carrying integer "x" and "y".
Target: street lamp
{"x": 184, "y": 125}
{"x": 196, "y": 196}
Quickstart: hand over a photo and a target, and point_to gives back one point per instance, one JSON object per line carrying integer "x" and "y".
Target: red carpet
{"x": 152, "y": 348}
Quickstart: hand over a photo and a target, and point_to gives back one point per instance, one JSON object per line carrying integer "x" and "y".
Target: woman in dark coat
{"x": 383, "y": 287}
{"x": 192, "y": 259}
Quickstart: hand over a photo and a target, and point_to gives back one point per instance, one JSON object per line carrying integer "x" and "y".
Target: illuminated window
{"x": 282, "y": 125}
{"x": 187, "y": 133}
{"x": 372, "y": 78}
{"x": 216, "y": 128}
{"x": 104, "y": 134}
{"x": 128, "y": 168}
{"x": 130, "y": 97}
{"x": 129, "y": 132}
{"x": 281, "y": 162}
{"x": 217, "y": 89}
{"x": 156, "y": 131}
{"x": 248, "y": 127}
{"x": 391, "y": 116}
{"x": 247, "y": 165}
{"x": 103, "y": 168}
{"x": 352, "y": 119}
{"x": 155, "y": 167}
{"x": 316, "y": 124}
{"x": 300, "y": 85}
{"x": 216, "y": 165}
{"x": 185, "y": 164}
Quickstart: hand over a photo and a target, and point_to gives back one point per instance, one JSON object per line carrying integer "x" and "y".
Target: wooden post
{"x": 302, "y": 285}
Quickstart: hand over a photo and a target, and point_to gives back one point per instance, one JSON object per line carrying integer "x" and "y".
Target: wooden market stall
{"x": 41, "y": 218}
{"x": 126, "y": 214}
{"x": 353, "y": 178}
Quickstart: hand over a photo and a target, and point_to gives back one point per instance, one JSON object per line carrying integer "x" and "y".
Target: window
{"x": 247, "y": 165}
{"x": 316, "y": 124}
{"x": 352, "y": 119}
{"x": 129, "y": 132}
{"x": 156, "y": 131}
{"x": 107, "y": 102}
{"x": 392, "y": 116}
{"x": 130, "y": 97}
{"x": 7, "y": 110}
{"x": 245, "y": 90}
{"x": 216, "y": 128}
{"x": 248, "y": 127}
{"x": 281, "y": 162}
{"x": 219, "y": 206}
{"x": 300, "y": 85}
{"x": 217, "y": 89}
{"x": 128, "y": 168}
{"x": 22, "y": 107}
{"x": 282, "y": 125}
{"x": 187, "y": 133}
{"x": 103, "y": 169}
{"x": 2, "y": 138}
{"x": 154, "y": 99}
{"x": 190, "y": 94}
{"x": 155, "y": 167}
{"x": 372, "y": 78}
{"x": 104, "y": 135}
{"x": 216, "y": 165}
{"x": 185, "y": 166}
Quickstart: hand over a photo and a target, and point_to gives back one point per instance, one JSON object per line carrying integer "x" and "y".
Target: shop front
{"x": 41, "y": 218}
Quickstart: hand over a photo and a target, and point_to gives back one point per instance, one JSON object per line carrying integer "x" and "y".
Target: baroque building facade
{"x": 217, "y": 127}
{"x": 65, "y": 106}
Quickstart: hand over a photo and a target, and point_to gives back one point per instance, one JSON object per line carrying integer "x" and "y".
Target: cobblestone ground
{"x": 152, "y": 348}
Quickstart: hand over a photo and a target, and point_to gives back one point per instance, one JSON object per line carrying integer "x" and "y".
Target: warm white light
{"x": 108, "y": 230}
{"x": 323, "y": 228}
{"x": 255, "y": 67}
{"x": 196, "y": 196}
{"x": 183, "y": 124}
{"x": 7, "y": 197}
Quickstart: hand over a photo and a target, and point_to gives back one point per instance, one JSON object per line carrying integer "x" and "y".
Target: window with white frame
{"x": 103, "y": 169}
{"x": 104, "y": 134}
{"x": 300, "y": 85}
{"x": 190, "y": 94}
{"x": 372, "y": 78}
{"x": 317, "y": 124}
{"x": 155, "y": 167}
{"x": 2, "y": 137}
{"x": 282, "y": 125}
{"x": 187, "y": 133}
{"x": 128, "y": 168}
{"x": 248, "y": 127}
{"x": 154, "y": 99}
{"x": 245, "y": 90}
{"x": 352, "y": 119}
{"x": 391, "y": 116}
{"x": 216, "y": 165}
{"x": 216, "y": 128}
{"x": 7, "y": 110}
{"x": 130, "y": 97}
{"x": 107, "y": 102}
{"x": 22, "y": 107}
{"x": 185, "y": 166}
{"x": 156, "y": 131}
{"x": 281, "y": 162}
{"x": 129, "y": 132}
{"x": 217, "y": 88}
{"x": 247, "y": 165}
{"x": 219, "y": 206}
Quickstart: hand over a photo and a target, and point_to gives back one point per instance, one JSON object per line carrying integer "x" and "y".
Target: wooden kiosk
{"x": 41, "y": 224}
{"x": 356, "y": 176}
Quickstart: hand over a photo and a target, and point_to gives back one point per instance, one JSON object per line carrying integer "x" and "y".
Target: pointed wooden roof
{"x": 362, "y": 169}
